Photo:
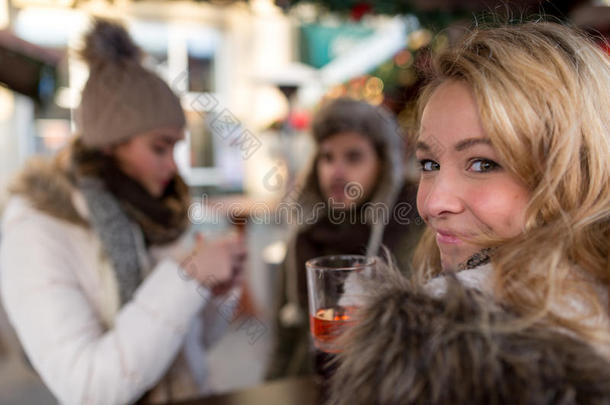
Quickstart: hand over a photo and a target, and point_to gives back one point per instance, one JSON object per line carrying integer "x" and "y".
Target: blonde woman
{"x": 514, "y": 146}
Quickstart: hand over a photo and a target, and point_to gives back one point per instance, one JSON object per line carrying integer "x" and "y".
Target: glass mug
{"x": 334, "y": 289}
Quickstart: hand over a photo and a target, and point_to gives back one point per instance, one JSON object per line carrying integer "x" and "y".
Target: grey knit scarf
{"x": 119, "y": 207}
{"x": 116, "y": 233}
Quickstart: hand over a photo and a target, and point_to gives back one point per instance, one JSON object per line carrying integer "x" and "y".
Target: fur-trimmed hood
{"x": 409, "y": 347}
{"x": 46, "y": 184}
{"x": 391, "y": 149}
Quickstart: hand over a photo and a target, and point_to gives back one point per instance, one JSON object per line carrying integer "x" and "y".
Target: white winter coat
{"x": 61, "y": 295}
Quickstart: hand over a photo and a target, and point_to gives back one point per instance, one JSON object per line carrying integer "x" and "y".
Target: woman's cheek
{"x": 501, "y": 212}
{"x": 422, "y": 193}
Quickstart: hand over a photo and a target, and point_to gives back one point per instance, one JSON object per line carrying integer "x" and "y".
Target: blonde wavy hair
{"x": 543, "y": 94}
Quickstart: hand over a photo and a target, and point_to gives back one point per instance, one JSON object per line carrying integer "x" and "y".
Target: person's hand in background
{"x": 217, "y": 264}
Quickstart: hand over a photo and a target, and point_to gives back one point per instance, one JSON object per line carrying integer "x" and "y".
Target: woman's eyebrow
{"x": 460, "y": 146}
{"x": 165, "y": 139}
{"x": 470, "y": 142}
{"x": 422, "y": 146}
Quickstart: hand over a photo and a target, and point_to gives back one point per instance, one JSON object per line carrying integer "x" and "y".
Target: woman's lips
{"x": 447, "y": 238}
{"x": 337, "y": 193}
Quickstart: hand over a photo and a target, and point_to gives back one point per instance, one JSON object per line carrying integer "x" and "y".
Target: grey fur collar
{"x": 411, "y": 348}
{"x": 47, "y": 186}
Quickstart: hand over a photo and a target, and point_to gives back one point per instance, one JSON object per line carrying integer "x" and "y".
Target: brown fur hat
{"x": 411, "y": 348}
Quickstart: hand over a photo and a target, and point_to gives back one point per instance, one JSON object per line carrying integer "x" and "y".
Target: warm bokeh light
{"x": 419, "y": 39}
{"x": 373, "y": 87}
{"x": 403, "y": 59}
{"x": 336, "y": 91}
{"x": 441, "y": 42}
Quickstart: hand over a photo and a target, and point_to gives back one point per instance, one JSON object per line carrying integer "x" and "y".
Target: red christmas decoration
{"x": 359, "y": 10}
{"x": 300, "y": 120}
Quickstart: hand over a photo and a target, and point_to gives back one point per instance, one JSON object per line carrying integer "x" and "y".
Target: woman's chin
{"x": 452, "y": 262}
{"x": 453, "y": 256}
{"x": 155, "y": 190}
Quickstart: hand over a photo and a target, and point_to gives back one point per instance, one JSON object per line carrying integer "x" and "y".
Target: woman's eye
{"x": 159, "y": 150}
{"x": 483, "y": 165}
{"x": 354, "y": 157}
{"x": 428, "y": 165}
{"x": 326, "y": 157}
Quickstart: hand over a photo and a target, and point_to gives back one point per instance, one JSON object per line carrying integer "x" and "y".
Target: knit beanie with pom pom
{"x": 121, "y": 98}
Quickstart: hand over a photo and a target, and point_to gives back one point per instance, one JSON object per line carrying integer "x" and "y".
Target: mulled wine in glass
{"x": 335, "y": 292}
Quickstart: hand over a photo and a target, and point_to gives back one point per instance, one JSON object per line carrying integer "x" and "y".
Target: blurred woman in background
{"x": 354, "y": 199}
{"x": 109, "y": 297}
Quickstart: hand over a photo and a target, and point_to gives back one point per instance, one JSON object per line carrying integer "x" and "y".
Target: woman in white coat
{"x": 108, "y": 299}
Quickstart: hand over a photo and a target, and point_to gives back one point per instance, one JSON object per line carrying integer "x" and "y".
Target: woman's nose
{"x": 170, "y": 164}
{"x": 443, "y": 196}
{"x": 338, "y": 170}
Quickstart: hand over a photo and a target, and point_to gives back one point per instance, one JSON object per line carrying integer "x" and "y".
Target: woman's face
{"x": 464, "y": 191}
{"x": 148, "y": 158}
{"x": 347, "y": 168}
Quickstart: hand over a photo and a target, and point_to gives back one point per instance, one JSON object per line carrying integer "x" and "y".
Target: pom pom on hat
{"x": 109, "y": 42}
{"x": 121, "y": 98}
